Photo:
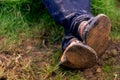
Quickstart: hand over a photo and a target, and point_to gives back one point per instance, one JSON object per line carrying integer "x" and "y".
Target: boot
{"x": 95, "y": 33}
{"x": 78, "y": 56}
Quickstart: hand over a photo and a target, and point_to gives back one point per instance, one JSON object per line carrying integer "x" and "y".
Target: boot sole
{"x": 79, "y": 56}
{"x": 98, "y": 36}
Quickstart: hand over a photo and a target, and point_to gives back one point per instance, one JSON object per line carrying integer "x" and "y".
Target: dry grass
{"x": 31, "y": 60}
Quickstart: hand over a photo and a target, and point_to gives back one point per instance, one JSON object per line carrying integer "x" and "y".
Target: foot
{"x": 78, "y": 55}
{"x": 95, "y": 33}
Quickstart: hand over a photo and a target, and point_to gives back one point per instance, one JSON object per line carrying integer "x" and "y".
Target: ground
{"x": 37, "y": 60}
{"x": 30, "y": 43}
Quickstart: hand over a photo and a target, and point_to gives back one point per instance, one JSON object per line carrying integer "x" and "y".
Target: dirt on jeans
{"x": 29, "y": 55}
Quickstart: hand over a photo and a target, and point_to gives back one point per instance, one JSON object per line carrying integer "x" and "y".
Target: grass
{"x": 29, "y": 20}
{"x": 111, "y": 9}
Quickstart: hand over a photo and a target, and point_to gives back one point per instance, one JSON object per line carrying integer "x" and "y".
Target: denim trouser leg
{"x": 69, "y": 14}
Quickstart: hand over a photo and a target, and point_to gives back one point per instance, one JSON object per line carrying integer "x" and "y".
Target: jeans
{"x": 69, "y": 14}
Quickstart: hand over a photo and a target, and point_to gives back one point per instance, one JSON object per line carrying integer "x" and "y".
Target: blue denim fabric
{"x": 69, "y": 14}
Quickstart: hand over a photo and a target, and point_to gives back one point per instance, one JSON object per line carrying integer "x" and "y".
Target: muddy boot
{"x": 78, "y": 56}
{"x": 95, "y": 33}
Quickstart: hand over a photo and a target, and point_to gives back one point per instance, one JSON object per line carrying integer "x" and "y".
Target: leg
{"x": 69, "y": 14}
{"x": 72, "y": 14}
{"x": 75, "y": 16}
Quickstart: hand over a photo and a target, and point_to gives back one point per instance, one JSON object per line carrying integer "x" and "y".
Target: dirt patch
{"x": 108, "y": 66}
{"x": 32, "y": 60}
{"x": 23, "y": 60}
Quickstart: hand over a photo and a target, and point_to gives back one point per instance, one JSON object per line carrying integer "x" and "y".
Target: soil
{"x": 38, "y": 56}
{"x": 111, "y": 58}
